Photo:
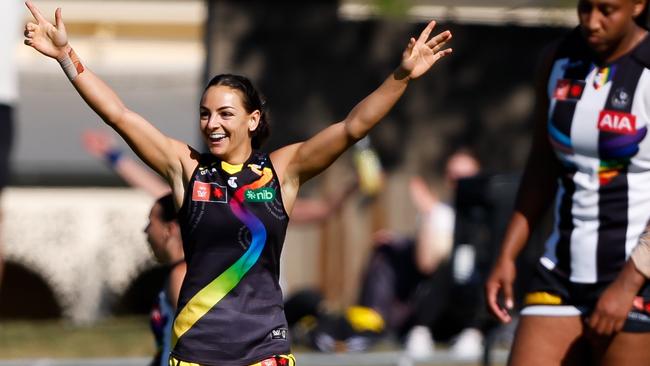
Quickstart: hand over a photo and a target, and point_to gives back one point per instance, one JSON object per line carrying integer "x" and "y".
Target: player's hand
{"x": 98, "y": 142}
{"x": 48, "y": 39}
{"x": 500, "y": 284}
{"x": 421, "y": 54}
{"x": 616, "y": 302}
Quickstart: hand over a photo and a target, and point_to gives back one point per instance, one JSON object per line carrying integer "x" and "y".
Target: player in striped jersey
{"x": 588, "y": 303}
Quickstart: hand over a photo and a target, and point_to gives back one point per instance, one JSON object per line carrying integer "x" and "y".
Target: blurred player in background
{"x": 163, "y": 234}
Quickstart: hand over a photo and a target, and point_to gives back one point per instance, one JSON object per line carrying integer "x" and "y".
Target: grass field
{"x": 64, "y": 344}
{"x": 123, "y": 337}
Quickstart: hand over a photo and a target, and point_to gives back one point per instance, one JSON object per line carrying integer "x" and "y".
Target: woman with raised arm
{"x": 588, "y": 303}
{"x": 234, "y": 202}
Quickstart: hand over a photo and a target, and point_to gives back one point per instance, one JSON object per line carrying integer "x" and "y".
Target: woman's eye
{"x": 204, "y": 115}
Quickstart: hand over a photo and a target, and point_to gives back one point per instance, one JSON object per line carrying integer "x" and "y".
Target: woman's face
{"x": 606, "y": 23}
{"x": 157, "y": 233}
{"x": 225, "y": 123}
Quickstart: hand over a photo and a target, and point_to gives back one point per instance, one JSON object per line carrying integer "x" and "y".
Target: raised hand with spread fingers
{"x": 421, "y": 54}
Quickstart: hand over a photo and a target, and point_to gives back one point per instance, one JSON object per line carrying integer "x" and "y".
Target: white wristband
{"x": 71, "y": 65}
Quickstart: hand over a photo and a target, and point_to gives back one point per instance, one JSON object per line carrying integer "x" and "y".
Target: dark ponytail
{"x": 252, "y": 101}
{"x": 166, "y": 202}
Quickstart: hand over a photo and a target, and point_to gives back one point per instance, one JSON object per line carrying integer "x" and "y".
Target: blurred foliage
{"x": 393, "y": 8}
{"x": 399, "y": 8}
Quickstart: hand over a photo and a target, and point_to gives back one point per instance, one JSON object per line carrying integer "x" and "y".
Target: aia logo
{"x": 617, "y": 122}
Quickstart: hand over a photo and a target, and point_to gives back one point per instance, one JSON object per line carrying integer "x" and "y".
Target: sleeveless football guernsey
{"x": 598, "y": 122}
{"x": 233, "y": 225}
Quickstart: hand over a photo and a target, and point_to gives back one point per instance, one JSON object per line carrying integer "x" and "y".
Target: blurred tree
{"x": 393, "y": 8}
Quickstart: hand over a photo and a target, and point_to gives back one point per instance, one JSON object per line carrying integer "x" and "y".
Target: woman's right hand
{"x": 500, "y": 284}
{"x": 45, "y": 37}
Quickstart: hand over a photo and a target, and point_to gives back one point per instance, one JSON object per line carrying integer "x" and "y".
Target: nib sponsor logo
{"x": 265, "y": 194}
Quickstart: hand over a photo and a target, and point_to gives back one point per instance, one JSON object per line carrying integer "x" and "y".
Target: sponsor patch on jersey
{"x": 566, "y": 89}
{"x": 209, "y": 192}
{"x": 603, "y": 76}
{"x": 620, "y": 98}
{"x": 232, "y": 181}
{"x": 264, "y": 194}
{"x": 279, "y": 333}
{"x": 617, "y": 122}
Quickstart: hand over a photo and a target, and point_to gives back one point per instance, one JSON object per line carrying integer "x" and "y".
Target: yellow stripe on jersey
{"x": 542, "y": 298}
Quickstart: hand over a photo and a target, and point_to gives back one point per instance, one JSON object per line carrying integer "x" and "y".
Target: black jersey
{"x": 233, "y": 225}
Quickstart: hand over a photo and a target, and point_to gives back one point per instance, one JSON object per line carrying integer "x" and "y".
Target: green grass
{"x": 113, "y": 337}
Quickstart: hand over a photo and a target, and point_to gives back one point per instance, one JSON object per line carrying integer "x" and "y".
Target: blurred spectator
{"x": 163, "y": 234}
{"x": 103, "y": 146}
{"x": 398, "y": 269}
{"x": 9, "y": 37}
{"x": 164, "y": 238}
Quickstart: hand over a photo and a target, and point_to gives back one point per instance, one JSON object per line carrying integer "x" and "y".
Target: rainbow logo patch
{"x": 603, "y": 76}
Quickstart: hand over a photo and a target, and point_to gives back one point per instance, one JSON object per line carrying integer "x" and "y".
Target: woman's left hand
{"x": 421, "y": 54}
{"x": 616, "y": 302}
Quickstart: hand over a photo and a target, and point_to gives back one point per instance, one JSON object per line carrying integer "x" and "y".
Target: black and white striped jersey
{"x": 597, "y": 124}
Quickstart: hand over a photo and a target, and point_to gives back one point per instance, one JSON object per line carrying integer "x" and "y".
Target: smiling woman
{"x": 233, "y": 202}
{"x": 226, "y": 100}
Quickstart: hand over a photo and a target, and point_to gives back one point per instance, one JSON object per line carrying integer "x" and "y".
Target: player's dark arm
{"x": 536, "y": 191}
